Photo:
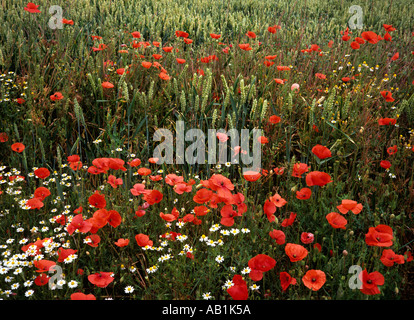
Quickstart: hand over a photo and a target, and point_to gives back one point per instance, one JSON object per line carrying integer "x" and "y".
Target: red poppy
{"x": 18, "y": 147}
{"x": 239, "y": 290}
{"x": 114, "y": 218}
{"x": 164, "y": 76}
{"x": 66, "y": 21}
{"x": 34, "y": 203}
{"x": 389, "y": 257}
{"x": 295, "y": 252}
{"x": 4, "y": 137}
{"x": 222, "y": 185}
{"x": 228, "y": 214}
{"x": 307, "y": 237}
{"x": 43, "y": 265}
{"x": 387, "y": 37}
{"x": 143, "y": 240}
{"x": 93, "y": 240}
{"x": 321, "y": 152}
{"x": 371, "y": 281}
{"x": 122, "y": 242}
{"x": 388, "y": 27}
{"x": 395, "y": 56}
{"x": 97, "y": 200}
{"x": 78, "y": 223}
{"x": 320, "y": 76}
{"x": 215, "y": 36}
{"x": 114, "y": 182}
{"x": 349, "y": 205}
{"x": 314, "y": 279}
{"x": 286, "y": 280}
{"x": 41, "y": 193}
{"x": 272, "y": 29}
{"x": 203, "y": 196}
{"x": 299, "y": 169}
{"x": 392, "y": 150}
{"x": 82, "y": 296}
{"x": 336, "y": 220}
{"x": 259, "y": 264}
{"x": 385, "y": 164}
{"x": 180, "y": 61}
{"x": 387, "y": 121}
{"x": 317, "y": 178}
{"x": 188, "y": 41}
{"x": 278, "y": 235}
{"x": 107, "y": 85}
{"x": 274, "y": 119}
{"x": 32, "y": 8}
{"x": 64, "y": 253}
{"x": 42, "y": 173}
{"x": 139, "y": 188}
{"x": 304, "y": 194}
{"x": 355, "y": 45}
{"x": 289, "y": 221}
{"x": 144, "y": 171}
{"x": 245, "y": 46}
{"x": 251, "y": 175}
{"x": 101, "y": 279}
{"x": 181, "y": 34}
{"x": 153, "y": 197}
{"x": 379, "y": 236}
{"x": 370, "y": 36}
{"x": 146, "y": 64}
{"x": 41, "y": 280}
{"x": 387, "y": 96}
{"x": 251, "y": 35}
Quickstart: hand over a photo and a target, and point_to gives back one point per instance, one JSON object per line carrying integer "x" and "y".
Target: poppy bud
{"x": 351, "y": 233}
{"x": 392, "y": 216}
{"x": 345, "y": 253}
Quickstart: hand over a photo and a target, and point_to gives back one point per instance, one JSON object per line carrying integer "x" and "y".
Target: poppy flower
{"x": 336, "y": 220}
{"x": 18, "y": 147}
{"x": 283, "y": 68}
{"x": 349, "y": 205}
{"x": 228, "y": 214}
{"x": 387, "y": 121}
{"x": 56, "y": 96}
{"x": 114, "y": 218}
{"x": 139, "y": 188}
{"x": 97, "y": 200}
{"x": 144, "y": 172}
{"x": 114, "y": 182}
{"x": 64, "y": 253}
{"x": 32, "y": 8}
{"x": 66, "y": 21}
{"x": 82, "y": 296}
{"x": 355, "y": 45}
{"x": 271, "y": 57}
{"x": 273, "y": 29}
{"x": 222, "y": 185}
{"x": 143, "y": 240}
{"x": 251, "y": 35}
{"x": 245, "y": 46}
{"x": 180, "y": 61}
{"x": 320, "y": 76}
{"x": 169, "y": 217}
{"x": 122, "y": 242}
{"x": 222, "y": 136}
{"x": 317, "y": 178}
{"x": 278, "y": 235}
{"x": 107, "y": 85}
{"x": 239, "y": 289}
{"x": 164, "y": 76}
{"x": 34, "y": 203}
{"x": 101, "y": 279}
{"x": 388, "y": 27}
{"x": 259, "y": 264}
{"x": 215, "y": 36}
{"x": 172, "y": 179}
{"x": 41, "y": 193}
{"x": 385, "y": 164}
{"x": 379, "y": 236}
{"x": 135, "y": 162}
{"x": 251, "y": 175}
{"x": 314, "y": 279}
{"x": 370, "y": 282}
{"x": 268, "y": 63}
{"x": 78, "y": 223}
{"x": 392, "y": 150}
{"x": 43, "y": 265}
{"x": 389, "y": 257}
{"x": 146, "y": 64}
{"x": 153, "y": 197}
{"x": 307, "y": 237}
{"x": 42, "y": 173}
{"x": 93, "y": 240}
{"x": 395, "y": 56}
{"x": 286, "y": 280}
{"x": 295, "y": 252}
{"x": 387, "y": 37}
{"x": 299, "y": 169}
{"x": 274, "y": 119}
{"x": 203, "y": 196}
{"x": 181, "y": 34}
{"x": 321, "y": 152}
{"x": 370, "y": 36}
{"x": 304, "y": 194}
{"x": 289, "y": 221}
{"x": 42, "y": 280}
{"x": 4, "y": 137}
{"x": 279, "y": 81}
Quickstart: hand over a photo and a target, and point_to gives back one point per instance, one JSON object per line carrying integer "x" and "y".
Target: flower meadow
{"x": 87, "y": 212}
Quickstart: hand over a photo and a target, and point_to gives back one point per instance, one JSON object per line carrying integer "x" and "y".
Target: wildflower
{"x": 314, "y": 279}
